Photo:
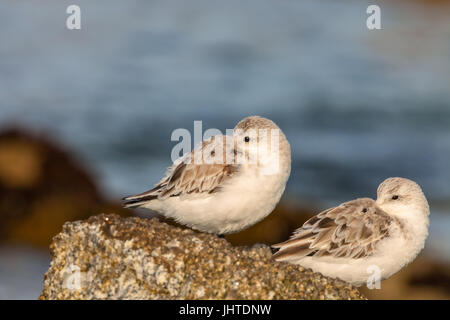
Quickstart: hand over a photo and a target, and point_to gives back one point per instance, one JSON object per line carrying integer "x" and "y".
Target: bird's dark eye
{"x": 247, "y": 139}
{"x": 394, "y": 197}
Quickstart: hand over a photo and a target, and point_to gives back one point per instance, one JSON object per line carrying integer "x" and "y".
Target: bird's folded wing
{"x": 350, "y": 230}
{"x": 186, "y": 176}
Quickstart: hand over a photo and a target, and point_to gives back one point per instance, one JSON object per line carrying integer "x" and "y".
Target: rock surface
{"x": 108, "y": 257}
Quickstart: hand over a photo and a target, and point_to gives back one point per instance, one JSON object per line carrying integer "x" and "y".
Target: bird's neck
{"x": 414, "y": 223}
{"x": 272, "y": 166}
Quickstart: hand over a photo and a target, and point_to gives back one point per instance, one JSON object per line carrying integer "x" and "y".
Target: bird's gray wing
{"x": 350, "y": 230}
{"x": 187, "y": 176}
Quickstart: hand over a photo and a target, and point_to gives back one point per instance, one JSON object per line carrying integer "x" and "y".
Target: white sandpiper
{"x": 225, "y": 196}
{"x": 346, "y": 241}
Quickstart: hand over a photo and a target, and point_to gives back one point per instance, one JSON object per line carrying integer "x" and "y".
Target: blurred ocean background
{"x": 357, "y": 106}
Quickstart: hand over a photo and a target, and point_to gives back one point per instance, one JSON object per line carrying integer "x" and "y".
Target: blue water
{"x": 22, "y": 272}
{"x": 357, "y": 105}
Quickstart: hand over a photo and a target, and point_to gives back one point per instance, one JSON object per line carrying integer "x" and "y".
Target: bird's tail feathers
{"x": 137, "y": 200}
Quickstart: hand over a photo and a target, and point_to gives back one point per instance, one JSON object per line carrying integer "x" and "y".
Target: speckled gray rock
{"x": 108, "y": 257}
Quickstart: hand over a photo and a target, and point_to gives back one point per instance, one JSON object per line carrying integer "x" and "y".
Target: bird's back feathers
{"x": 350, "y": 230}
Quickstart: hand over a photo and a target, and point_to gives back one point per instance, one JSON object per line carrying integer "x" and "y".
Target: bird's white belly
{"x": 239, "y": 204}
{"x": 392, "y": 255}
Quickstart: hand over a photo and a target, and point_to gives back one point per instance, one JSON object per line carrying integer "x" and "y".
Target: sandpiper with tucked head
{"x": 224, "y": 196}
{"x": 346, "y": 241}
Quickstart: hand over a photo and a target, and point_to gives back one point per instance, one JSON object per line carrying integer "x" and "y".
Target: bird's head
{"x": 402, "y": 196}
{"x": 260, "y": 142}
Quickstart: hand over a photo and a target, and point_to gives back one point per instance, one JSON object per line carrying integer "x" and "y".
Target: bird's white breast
{"x": 241, "y": 201}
